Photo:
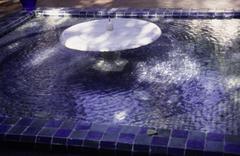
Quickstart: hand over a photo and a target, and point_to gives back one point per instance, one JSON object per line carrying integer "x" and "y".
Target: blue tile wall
{"x": 116, "y": 138}
{"x": 77, "y": 137}
{"x": 93, "y": 139}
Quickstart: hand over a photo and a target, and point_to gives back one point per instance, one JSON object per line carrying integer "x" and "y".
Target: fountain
{"x": 109, "y": 37}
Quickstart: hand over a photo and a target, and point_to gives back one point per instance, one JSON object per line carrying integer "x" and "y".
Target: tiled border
{"x": 140, "y": 13}
{"x": 79, "y": 136}
{"x": 20, "y": 17}
{"x": 14, "y": 20}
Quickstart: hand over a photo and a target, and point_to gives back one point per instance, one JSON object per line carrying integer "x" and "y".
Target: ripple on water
{"x": 187, "y": 79}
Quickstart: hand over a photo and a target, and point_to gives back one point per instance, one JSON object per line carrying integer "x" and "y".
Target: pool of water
{"x": 188, "y": 79}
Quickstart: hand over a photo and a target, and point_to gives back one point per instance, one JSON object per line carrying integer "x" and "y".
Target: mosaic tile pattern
{"x": 180, "y": 48}
{"x": 139, "y": 13}
{"x": 10, "y": 22}
{"x": 70, "y": 134}
{"x": 115, "y": 138}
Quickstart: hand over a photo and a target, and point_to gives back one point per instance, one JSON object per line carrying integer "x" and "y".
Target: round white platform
{"x": 94, "y": 36}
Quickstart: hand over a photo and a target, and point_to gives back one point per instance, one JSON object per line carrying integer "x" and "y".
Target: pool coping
{"x": 84, "y": 137}
{"x": 141, "y": 12}
{"x": 80, "y": 136}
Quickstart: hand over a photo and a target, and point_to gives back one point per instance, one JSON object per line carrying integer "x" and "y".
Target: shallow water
{"x": 188, "y": 79}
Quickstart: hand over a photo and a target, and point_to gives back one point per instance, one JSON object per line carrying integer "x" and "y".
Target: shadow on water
{"x": 183, "y": 80}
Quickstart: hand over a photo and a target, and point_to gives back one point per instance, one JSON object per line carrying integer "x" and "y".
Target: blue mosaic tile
{"x": 109, "y": 140}
{"x": 179, "y": 134}
{"x": 213, "y": 148}
{"x": 125, "y": 141}
{"x": 130, "y": 129}
{"x": 29, "y": 135}
{"x": 177, "y": 146}
{"x": 53, "y": 123}
{"x": 142, "y": 143}
{"x": 194, "y": 135}
{"x": 185, "y": 14}
{"x": 114, "y": 129}
{"x": 45, "y": 135}
{"x": 10, "y": 121}
{"x": 61, "y": 135}
{"x": 99, "y": 127}
{"x": 195, "y": 144}
{"x": 77, "y": 138}
{"x": 143, "y": 130}
{"x": 215, "y": 137}
{"x": 164, "y": 133}
{"x": 25, "y": 122}
{"x": 3, "y": 130}
{"x": 68, "y": 124}
{"x": 2, "y": 119}
{"x": 232, "y": 149}
{"x": 194, "y": 153}
{"x": 231, "y": 139}
{"x": 237, "y": 14}
{"x": 93, "y": 139}
{"x": 38, "y": 123}
{"x": 159, "y": 141}
{"x": 94, "y": 135}
{"x": 15, "y": 133}
{"x": 158, "y": 150}
{"x": 83, "y": 126}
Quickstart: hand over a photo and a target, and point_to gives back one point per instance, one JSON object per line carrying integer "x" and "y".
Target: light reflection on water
{"x": 188, "y": 79}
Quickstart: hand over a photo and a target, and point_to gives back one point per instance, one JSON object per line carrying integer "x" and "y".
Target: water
{"x": 188, "y": 79}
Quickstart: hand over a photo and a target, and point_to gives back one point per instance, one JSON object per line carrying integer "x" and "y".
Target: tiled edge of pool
{"x": 80, "y": 136}
{"x": 140, "y": 13}
{"x": 12, "y": 21}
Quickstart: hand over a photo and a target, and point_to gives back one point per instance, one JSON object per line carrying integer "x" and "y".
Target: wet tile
{"x": 195, "y": 144}
{"x": 214, "y": 147}
{"x": 25, "y": 122}
{"x": 3, "y": 130}
{"x": 125, "y": 141}
{"x": 45, "y": 135}
{"x": 159, "y": 141}
{"x": 93, "y": 139}
{"x": 68, "y": 124}
{"x": 83, "y": 126}
{"x": 38, "y": 123}
{"x": 109, "y": 140}
{"x": 142, "y": 143}
{"x": 232, "y": 149}
{"x": 15, "y": 133}
{"x": 77, "y": 138}
{"x": 177, "y": 146}
{"x": 2, "y": 119}
{"x": 53, "y": 123}
{"x": 164, "y": 133}
{"x": 94, "y": 135}
{"x": 10, "y": 121}
{"x": 215, "y": 137}
{"x": 29, "y": 135}
{"x": 61, "y": 135}
{"x": 179, "y": 134}
{"x": 130, "y": 129}
{"x": 232, "y": 139}
{"x": 99, "y": 127}
{"x": 114, "y": 129}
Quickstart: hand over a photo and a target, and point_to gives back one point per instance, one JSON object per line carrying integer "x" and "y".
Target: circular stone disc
{"x": 94, "y": 36}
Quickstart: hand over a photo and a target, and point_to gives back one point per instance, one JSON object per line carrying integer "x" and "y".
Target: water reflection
{"x": 188, "y": 79}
